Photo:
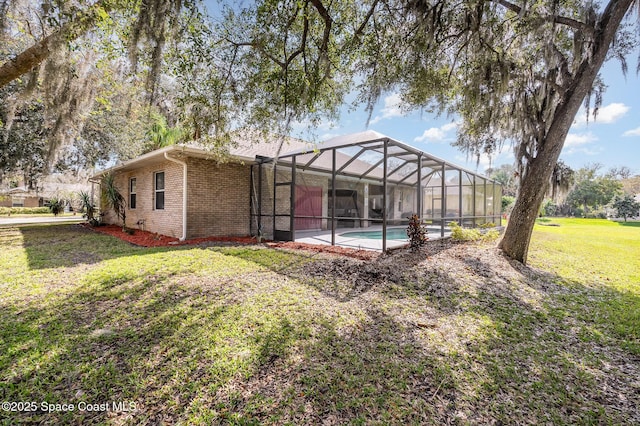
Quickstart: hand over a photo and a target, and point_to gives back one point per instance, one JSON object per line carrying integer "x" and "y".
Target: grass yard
{"x": 600, "y": 260}
{"x": 456, "y": 334}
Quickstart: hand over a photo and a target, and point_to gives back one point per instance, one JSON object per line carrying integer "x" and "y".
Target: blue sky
{"x": 613, "y": 139}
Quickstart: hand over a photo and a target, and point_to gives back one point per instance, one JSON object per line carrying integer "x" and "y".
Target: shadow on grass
{"x": 630, "y": 224}
{"x": 418, "y": 347}
{"x": 55, "y": 246}
{"x": 517, "y": 346}
{"x": 152, "y": 341}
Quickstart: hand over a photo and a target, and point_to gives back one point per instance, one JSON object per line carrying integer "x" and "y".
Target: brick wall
{"x": 165, "y": 222}
{"x": 32, "y": 202}
{"x": 218, "y": 198}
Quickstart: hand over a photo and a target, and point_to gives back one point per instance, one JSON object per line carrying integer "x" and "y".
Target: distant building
{"x": 55, "y": 185}
{"x": 20, "y": 197}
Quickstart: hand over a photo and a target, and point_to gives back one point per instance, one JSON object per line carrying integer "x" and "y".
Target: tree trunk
{"x": 515, "y": 242}
{"x": 516, "y": 239}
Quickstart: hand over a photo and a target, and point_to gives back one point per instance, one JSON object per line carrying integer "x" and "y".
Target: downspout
{"x": 184, "y": 194}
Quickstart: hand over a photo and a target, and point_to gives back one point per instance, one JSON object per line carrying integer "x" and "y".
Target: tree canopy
{"x": 626, "y": 206}
{"x": 594, "y": 193}
{"x": 98, "y": 70}
{"x": 516, "y": 72}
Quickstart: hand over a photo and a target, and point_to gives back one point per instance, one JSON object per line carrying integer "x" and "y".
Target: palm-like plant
{"x": 160, "y": 134}
{"x": 88, "y": 206}
{"x": 417, "y": 232}
{"x": 112, "y": 198}
{"x": 56, "y": 205}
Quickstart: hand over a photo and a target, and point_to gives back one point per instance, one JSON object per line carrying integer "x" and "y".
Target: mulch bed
{"x": 149, "y": 239}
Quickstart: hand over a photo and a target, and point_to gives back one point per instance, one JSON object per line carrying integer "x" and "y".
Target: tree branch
{"x": 326, "y": 35}
{"x": 563, "y": 20}
{"x": 303, "y": 42}
{"x": 36, "y": 54}
{"x": 367, "y": 17}
{"x": 260, "y": 48}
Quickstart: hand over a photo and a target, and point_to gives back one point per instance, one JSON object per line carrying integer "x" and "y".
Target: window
{"x": 132, "y": 193}
{"x": 159, "y": 190}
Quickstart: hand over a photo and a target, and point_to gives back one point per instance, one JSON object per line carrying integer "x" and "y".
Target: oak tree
{"x": 515, "y": 72}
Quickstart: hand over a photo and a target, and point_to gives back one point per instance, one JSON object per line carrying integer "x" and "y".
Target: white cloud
{"x": 606, "y": 115}
{"x": 576, "y": 139}
{"x": 632, "y": 132}
{"x": 450, "y": 126}
{"x": 612, "y": 113}
{"x": 437, "y": 134}
{"x": 434, "y": 134}
{"x": 392, "y": 108}
{"x": 581, "y": 143}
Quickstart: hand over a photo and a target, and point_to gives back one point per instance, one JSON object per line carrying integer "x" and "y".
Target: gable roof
{"x": 245, "y": 149}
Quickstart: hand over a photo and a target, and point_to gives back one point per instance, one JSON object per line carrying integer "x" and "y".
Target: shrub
{"x": 56, "y": 206}
{"x": 113, "y": 199}
{"x": 549, "y": 208}
{"x": 507, "y": 203}
{"x": 487, "y": 225}
{"x": 595, "y": 215}
{"x": 416, "y": 232}
{"x": 87, "y": 206}
{"x": 491, "y": 235}
{"x": 459, "y": 233}
{"x": 24, "y": 210}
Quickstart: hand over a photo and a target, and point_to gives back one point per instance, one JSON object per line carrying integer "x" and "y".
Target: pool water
{"x": 392, "y": 234}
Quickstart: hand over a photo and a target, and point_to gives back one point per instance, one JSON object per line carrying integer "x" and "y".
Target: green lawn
{"x": 251, "y": 335}
{"x": 602, "y": 259}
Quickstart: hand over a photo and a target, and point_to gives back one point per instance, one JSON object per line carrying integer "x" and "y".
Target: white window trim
{"x": 156, "y": 190}
{"x": 134, "y": 192}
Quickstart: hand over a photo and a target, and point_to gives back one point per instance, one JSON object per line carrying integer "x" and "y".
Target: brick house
{"x": 293, "y": 190}
{"x": 20, "y": 197}
{"x": 217, "y": 201}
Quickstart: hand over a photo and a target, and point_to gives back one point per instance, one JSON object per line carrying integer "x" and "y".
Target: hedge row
{"x": 24, "y": 210}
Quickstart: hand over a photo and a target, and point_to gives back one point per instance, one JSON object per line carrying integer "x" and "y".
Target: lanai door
{"x": 308, "y": 203}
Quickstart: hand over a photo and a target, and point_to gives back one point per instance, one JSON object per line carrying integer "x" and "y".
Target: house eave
{"x": 158, "y": 156}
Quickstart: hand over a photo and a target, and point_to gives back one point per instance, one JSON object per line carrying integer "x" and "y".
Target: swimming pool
{"x": 392, "y": 234}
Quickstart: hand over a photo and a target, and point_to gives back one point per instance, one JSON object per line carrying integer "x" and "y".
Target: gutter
{"x": 184, "y": 193}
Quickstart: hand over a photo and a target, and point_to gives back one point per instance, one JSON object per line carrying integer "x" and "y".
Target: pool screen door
{"x": 308, "y": 203}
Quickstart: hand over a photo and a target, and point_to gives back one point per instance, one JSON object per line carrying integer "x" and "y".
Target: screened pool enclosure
{"x": 365, "y": 185}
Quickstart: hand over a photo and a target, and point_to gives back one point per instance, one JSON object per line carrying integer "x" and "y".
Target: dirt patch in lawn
{"x": 317, "y": 248}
